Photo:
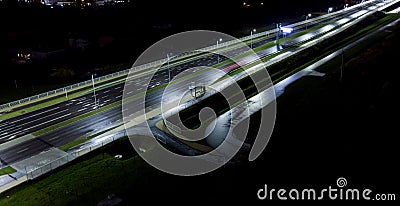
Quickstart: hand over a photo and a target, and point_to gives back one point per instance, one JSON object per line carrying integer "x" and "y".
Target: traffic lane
{"x": 60, "y": 136}
{"x": 23, "y": 150}
{"x": 15, "y": 128}
{"x": 83, "y": 128}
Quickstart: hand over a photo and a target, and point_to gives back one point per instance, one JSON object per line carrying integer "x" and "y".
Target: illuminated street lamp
{"x": 330, "y": 9}
{"x": 94, "y": 93}
{"x": 307, "y": 16}
{"x": 218, "y": 40}
{"x": 251, "y": 36}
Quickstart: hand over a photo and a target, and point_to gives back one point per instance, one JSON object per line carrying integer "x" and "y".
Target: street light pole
{"x": 218, "y": 40}
{"x": 278, "y": 26}
{"x": 66, "y": 93}
{"x": 94, "y": 93}
{"x": 307, "y": 16}
{"x": 251, "y": 37}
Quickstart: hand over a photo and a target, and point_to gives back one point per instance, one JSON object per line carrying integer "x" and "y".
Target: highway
{"x": 26, "y": 124}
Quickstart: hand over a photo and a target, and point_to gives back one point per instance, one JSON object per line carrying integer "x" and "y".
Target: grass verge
{"x": 74, "y": 183}
{"x": 7, "y": 170}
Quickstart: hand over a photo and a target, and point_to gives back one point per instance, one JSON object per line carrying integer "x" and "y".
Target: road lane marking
{"x": 49, "y": 121}
{"x": 12, "y": 136}
{"x": 43, "y": 117}
{"x": 23, "y": 150}
{"x": 34, "y": 115}
{"x": 12, "y": 129}
{"x": 82, "y": 109}
{"x": 54, "y": 138}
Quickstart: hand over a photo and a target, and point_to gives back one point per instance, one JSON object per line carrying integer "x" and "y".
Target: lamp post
{"x": 94, "y": 93}
{"x": 218, "y": 40}
{"x": 278, "y": 27}
{"x": 307, "y": 16}
{"x": 251, "y": 37}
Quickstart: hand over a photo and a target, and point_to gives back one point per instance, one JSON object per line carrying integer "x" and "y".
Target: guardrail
{"x": 70, "y": 156}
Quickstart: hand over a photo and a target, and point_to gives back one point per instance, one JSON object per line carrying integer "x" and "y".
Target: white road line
{"x": 53, "y": 138}
{"x": 34, "y": 115}
{"x": 82, "y": 109}
{"x": 86, "y": 105}
{"x": 117, "y": 97}
{"x": 104, "y": 96}
{"x": 7, "y": 126}
{"x": 130, "y": 92}
{"x": 12, "y": 136}
{"x": 44, "y": 117}
{"x": 8, "y": 130}
{"x": 49, "y": 121}
{"x": 106, "y": 91}
{"x": 2, "y": 137}
{"x": 23, "y": 150}
{"x": 107, "y": 100}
